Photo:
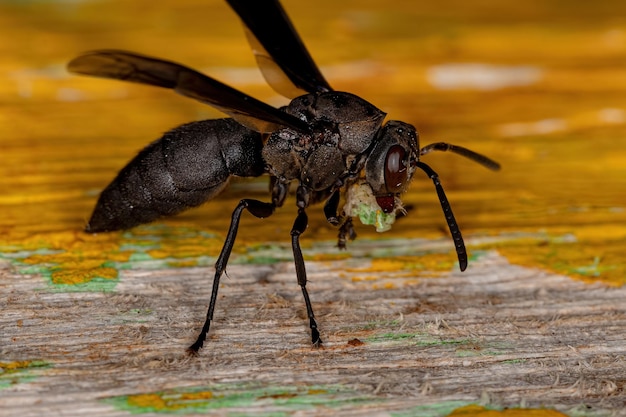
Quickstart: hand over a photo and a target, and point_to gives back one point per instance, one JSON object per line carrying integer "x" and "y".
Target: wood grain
{"x": 498, "y": 335}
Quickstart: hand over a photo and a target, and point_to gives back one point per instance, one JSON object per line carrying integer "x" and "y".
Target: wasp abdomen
{"x": 186, "y": 167}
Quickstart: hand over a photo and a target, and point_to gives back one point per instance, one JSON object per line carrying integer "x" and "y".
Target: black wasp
{"x": 333, "y": 144}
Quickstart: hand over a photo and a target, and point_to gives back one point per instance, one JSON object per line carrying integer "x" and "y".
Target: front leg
{"x": 345, "y": 231}
{"x": 331, "y": 207}
{"x": 346, "y": 228}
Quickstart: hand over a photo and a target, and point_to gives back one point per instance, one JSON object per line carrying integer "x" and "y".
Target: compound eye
{"x": 396, "y": 172}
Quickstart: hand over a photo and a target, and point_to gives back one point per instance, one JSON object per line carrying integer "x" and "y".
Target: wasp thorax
{"x": 354, "y": 120}
{"x": 342, "y": 127}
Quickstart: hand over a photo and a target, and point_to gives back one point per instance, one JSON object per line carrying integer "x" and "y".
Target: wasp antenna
{"x": 459, "y": 245}
{"x": 459, "y": 150}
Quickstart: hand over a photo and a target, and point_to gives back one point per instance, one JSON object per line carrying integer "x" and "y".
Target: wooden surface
{"x": 398, "y": 343}
{"x": 98, "y": 324}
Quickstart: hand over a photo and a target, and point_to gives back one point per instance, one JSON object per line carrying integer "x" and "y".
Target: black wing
{"x": 129, "y": 66}
{"x": 280, "y": 53}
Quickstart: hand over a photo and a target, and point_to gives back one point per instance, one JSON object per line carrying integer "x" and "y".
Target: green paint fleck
{"x": 592, "y": 270}
{"x": 417, "y": 339}
{"x": 386, "y": 324}
{"x": 280, "y": 399}
{"x": 94, "y": 285}
{"x": 514, "y": 361}
{"x": 12, "y": 373}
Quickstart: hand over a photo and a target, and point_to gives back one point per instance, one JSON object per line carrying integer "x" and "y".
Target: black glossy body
{"x": 327, "y": 142}
{"x": 186, "y": 167}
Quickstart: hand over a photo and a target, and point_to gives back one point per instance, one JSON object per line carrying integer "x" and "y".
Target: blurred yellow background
{"x": 539, "y": 86}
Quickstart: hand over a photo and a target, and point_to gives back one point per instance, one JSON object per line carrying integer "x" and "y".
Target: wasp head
{"x": 391, "y": 163}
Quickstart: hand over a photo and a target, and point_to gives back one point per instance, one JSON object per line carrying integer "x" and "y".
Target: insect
{"x": 333, "y": 145}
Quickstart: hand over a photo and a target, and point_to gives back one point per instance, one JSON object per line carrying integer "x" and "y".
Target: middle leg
{"x": 299, "y": 226}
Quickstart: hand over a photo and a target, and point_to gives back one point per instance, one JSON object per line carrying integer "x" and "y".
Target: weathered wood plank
{"x": 499, "y": 335}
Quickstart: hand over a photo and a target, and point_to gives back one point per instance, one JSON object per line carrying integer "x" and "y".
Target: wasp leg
{"x": 299, "y": 226}
{"x": 330, "y": 209}
{"x": 345, "y": 231}
{"x": 256, "y": 208}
